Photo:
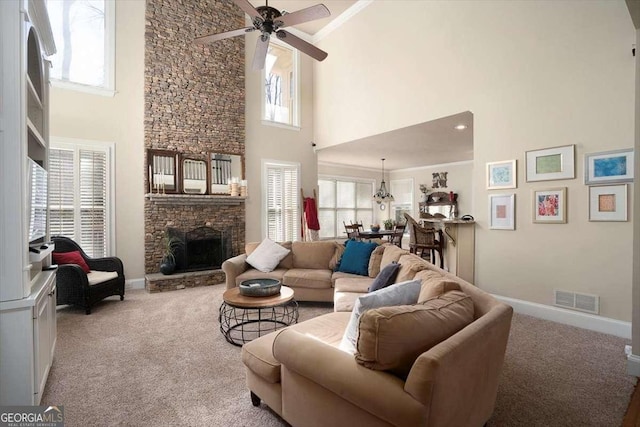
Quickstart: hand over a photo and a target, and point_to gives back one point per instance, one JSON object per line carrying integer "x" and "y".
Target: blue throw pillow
{"x": 386, "y": 277}
{"x": 355, "y": 258}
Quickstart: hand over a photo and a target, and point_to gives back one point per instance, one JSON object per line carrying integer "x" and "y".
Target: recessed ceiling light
{"x": 460, "y": 127}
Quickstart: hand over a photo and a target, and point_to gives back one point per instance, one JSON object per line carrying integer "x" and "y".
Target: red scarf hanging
{"x": 311, "y": 213}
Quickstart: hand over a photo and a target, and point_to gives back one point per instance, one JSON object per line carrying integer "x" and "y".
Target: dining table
{"x": 370, "y": 234}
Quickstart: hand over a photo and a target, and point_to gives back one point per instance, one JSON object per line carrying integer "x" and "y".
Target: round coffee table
{"x": 243, "y": 318}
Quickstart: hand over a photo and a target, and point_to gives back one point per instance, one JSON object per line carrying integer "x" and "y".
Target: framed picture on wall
{"x": 502, "y": 211}
{"x": 608, "y": 167}
{"x": 608, "y": 203}
{"x": 501, "y": 175}
{"x": 551, "y": 164}
{"x": 550, "y": 206}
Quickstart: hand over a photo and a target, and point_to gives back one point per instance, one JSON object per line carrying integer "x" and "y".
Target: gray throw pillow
{"x": 404, "y": 293}
{"x": 386, "y": 277}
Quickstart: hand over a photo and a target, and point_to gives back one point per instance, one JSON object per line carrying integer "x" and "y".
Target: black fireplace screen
{"x": 202, "y": 248}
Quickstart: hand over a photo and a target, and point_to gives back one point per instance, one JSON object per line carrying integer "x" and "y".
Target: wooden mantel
{"x": 194, "y": 199}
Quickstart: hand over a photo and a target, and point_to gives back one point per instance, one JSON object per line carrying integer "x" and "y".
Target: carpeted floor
{"x": 160, "y": 360}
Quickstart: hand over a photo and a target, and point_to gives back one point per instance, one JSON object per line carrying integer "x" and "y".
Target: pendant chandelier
{"x": 383, "y": 196}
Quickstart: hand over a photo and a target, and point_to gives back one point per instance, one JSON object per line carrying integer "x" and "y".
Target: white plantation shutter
{"x": 282, "y": 202}
{"x": 79, "y": 195}
{"x": 93, "y": 202}
{"x": 61, "y": 193}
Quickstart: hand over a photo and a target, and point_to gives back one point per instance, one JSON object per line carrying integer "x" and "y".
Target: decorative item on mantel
{"x": 237, "y": 187}
{"x": 234, "y": 186}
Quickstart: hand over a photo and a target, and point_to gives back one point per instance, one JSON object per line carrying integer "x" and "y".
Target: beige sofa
{"x": 303, "y": 375}
{"x": 308, "y": 269}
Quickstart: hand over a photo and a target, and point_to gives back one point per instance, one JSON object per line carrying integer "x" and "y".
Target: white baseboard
{"x": 134, "y": 284}
{"x": 592, "y": 322}
{"x": 633, "y": 365}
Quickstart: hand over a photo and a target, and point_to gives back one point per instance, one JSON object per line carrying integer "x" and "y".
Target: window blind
{"x": 93, "y": 202}
{"x": 343, "y": 200}
{"x": 283, "y": 206}
{"x": 78, "y": 206}
{"x": 61, "y": 193}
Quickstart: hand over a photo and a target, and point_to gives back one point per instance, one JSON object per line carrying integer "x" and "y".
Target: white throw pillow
{"x": 267, "y": 256}
{"x": 403, "y": 293}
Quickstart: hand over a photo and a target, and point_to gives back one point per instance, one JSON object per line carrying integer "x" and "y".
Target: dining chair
{"x": 398, "y": 233}
{"x": 359, "y": 225}
{"x": 352, "y": 231}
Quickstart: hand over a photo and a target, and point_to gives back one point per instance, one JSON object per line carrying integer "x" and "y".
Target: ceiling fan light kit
{"x": 269, "y": 20}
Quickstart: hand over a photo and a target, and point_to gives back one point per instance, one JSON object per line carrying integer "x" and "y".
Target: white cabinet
{"x": 28, "y": 340}
{"x": 27, "y": 294}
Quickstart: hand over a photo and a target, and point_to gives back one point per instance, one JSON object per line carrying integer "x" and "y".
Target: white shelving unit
{"x": 27, "y": 286}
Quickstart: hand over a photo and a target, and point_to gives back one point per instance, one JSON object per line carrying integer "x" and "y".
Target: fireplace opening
{"x": 202, "y": 248}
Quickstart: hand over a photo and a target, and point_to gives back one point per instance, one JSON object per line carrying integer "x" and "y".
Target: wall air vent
{"x": 577, "y": 301}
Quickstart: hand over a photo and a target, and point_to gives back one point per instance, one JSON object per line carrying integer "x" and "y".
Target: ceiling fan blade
{"x": 215, "y": 37}
{"x": 248, "y": 8}
{"x": 261, "y": 52}
{"x": 302, "y": 45}
{"x": 304, "y": 15}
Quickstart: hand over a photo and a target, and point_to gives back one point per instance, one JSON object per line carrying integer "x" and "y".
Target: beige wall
{"x": 535, "y": 75}
{"x": 636, "y": 211}
{"x": 117, "y": 119}
{"x": 265, "y": 142}
{"x": 459, "y": 179}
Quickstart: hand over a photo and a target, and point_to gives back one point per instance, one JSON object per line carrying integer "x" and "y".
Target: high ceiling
{"x": 430, "y": 143}
{"x": 336, "y": 7}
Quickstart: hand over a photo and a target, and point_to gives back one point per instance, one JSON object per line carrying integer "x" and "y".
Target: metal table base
{"x": 241, "y": 325}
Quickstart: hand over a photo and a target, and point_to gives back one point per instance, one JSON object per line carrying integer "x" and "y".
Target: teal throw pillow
{"x": 355, "y": 259}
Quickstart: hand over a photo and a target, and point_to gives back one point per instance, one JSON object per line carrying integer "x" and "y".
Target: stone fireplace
{"x": 194, "y": 105}
{"x": 204, "y": 223}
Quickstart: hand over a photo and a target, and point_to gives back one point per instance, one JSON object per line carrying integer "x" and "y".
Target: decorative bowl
{"x": 260, "y": 287}
{"x": 375, "y": 229}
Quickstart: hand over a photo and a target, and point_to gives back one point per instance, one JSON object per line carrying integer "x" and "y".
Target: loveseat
{"x": 305, "y": 375}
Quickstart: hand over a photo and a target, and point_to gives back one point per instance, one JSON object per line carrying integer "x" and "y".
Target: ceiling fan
{"x": 269, "y": 20}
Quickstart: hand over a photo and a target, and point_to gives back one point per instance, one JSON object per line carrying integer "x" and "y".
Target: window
{"x": 402, "y": 190}
{"x": 84, "y": 34}
{"x": 282, "y": 200}
{"x": 280, "y": 104}
{"x": 343, "y": 199}
{"x": 79, "y": 195}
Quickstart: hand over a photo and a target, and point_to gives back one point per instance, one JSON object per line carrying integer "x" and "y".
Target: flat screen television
{"x": 37, "y": 202}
